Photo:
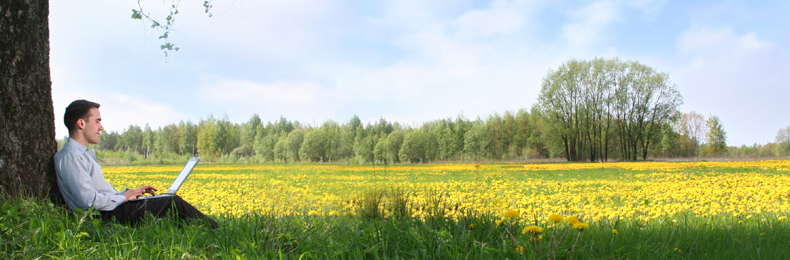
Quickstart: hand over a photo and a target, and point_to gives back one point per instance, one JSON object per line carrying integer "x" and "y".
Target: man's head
{"x": 83, "y": 120}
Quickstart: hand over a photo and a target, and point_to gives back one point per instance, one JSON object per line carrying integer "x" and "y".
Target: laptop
{"x": 177, "y": 183}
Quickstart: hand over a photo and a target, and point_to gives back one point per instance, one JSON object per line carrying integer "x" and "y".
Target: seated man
{"x": 82, "y": 183}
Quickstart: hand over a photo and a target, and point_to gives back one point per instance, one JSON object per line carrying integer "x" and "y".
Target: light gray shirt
{"x": 81, "y": 181}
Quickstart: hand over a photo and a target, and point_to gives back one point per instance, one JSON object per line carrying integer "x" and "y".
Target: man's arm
{"x": 77, "y": 187}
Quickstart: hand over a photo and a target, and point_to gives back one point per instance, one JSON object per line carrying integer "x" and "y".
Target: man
{"x": 82, "y": 183}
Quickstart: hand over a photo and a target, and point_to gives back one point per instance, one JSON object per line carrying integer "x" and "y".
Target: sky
{"x": 409, "y": 61}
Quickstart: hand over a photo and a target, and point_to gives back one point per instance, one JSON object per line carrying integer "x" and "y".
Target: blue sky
{"x": 411, "y": 61}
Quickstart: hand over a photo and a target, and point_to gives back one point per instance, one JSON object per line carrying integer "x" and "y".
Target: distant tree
{"x": 282, "y": 127}
{"x": 225, "y": 137}
{"x": 172, "y": 134}
{"x": 339, "y": 141}
{"x": 293, "y": 144}
{"x": 206, "y": 145}
{"x": 448, "y": 144}
{"x": 783, "y": 141}
{"x": 380, "y": 151}
{"x": 363, "y": 147}
{"x": 131, "y": 139}
{"x": 382, "y": 128}
{"x": 315, "y": 146}
{"x": 148, "y": 140}
{"x": 108, "y": 141}
{"x": 248, "y": 131}
{"x": 342, "y": 143}
{"x": 522, "y": 133}
{"x": 586, "y": 103}
{"x": 354, "y": 123}
{"x": 394, "y": 142}
{"x": 281, "y": 149}
{"x": 417, "y": 146}
{"x": 160, "y": 142}
{"x": 264, "y": 145}
{"x": 188, "y": 140}
{"x": 716, "y": 138}
{"x": 692, "y": 129}
{"x": 167, "y": 139}
{"x": 670, "y": 142}
{"x": 478, "y": 142}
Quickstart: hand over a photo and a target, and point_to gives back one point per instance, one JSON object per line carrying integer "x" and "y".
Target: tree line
{"x": 587, "y": 110}
{"x": 508, "y": 136}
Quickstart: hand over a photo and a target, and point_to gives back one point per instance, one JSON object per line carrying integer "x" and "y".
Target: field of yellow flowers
{"x": 630, "y": 210}
{"x": 644, "y": 191}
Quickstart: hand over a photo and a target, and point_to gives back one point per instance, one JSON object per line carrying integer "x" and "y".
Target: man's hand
{"x": 134, "y": 193}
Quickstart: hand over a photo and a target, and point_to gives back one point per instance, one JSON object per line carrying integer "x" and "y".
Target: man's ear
{"x": 81, "y": 124}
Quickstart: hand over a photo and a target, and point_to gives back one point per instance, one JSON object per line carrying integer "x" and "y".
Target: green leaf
{"x": 136, "y": 15}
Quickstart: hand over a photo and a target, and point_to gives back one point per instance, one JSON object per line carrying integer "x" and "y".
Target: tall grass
{"x": 31, "y": 229}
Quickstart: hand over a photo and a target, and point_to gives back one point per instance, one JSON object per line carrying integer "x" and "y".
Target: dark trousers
{"x": 132, "y": 212}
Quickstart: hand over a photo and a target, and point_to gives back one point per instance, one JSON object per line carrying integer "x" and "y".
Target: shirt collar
{"x": 78, "y": 147}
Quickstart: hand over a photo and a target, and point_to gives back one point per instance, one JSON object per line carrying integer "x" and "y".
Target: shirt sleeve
{"x": 73, "y": 171}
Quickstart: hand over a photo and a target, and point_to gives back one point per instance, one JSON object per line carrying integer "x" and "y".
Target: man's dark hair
{"x": 79, "y": 109}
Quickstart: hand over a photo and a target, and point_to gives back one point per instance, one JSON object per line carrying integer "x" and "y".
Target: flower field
{"x": 643, "y": 191}
{"x": 640, "y": 210}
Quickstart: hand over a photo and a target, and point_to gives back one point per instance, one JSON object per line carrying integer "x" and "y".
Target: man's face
{"x": 92, "y": 127}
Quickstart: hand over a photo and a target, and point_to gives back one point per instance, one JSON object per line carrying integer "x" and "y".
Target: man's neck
{"x": 81, "y": 140}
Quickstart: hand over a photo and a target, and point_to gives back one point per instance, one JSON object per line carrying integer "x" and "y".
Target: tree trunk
{"x": 27, "y": 120}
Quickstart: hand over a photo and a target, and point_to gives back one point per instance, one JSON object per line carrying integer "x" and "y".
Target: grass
{"x": 383, "y": 224}
{"x": 36, "y": 229}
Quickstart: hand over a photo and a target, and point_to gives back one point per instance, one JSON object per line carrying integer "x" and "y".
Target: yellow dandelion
{"x": 572, "y": 220}
{"x": 532, "y": 229}
{"x": 471, "y": 226}
{"x": 334, "y": 213}
{"x": 312, "y": 213}
{"x": 614, "y": 231}
{"x": 511, "y": 213}
{"x": 500, "y": 222}
{"x": 580, "y": 226}
{"x": 782, "y": 218}
{"x": 555, "y": 218}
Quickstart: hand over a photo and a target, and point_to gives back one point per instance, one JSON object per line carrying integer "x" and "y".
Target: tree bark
{"x": 27, "y": 120}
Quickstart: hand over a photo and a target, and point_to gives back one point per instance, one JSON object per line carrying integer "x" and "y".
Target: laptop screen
{"x": 183, "y": 175}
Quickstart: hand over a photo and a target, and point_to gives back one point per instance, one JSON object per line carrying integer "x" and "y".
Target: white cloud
{"x": 296, "y": 100}
{"x": 590, "y": 21}
{"x": 500, "y": 18}
{"x": 280, "y": 30}
{"x": 649, "y": 7}
{"x": 248, "y": 93}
